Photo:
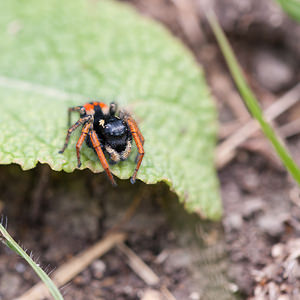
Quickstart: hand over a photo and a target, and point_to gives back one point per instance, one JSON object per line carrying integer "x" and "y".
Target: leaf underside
{"x": 57, "y": 54}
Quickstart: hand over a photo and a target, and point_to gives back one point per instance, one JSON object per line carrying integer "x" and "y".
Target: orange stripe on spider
{"x": 88, "y": 106}
{"x": 101, "y": 104}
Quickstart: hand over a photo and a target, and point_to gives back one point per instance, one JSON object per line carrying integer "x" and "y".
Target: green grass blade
{"x": 292, "y": 7}
{"x": 250, "y": 99}
{"x": 9, "y": 242}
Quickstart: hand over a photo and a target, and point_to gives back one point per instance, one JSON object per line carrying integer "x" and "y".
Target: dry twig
{"x": 188, "y": 19}
{"x": 226, "y": 150}
{"x": 151, "y": 294}
{"x": 290, "y": 129}
{"x": 74, "y": 266}
{"x": 144, "y": 271}
{"x": 138, "y": 266}
{"x": 228, "y": 128}
{"x": 223, "y": 88}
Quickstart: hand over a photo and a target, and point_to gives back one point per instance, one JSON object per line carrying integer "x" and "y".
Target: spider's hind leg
{"x": 139, "y": 141}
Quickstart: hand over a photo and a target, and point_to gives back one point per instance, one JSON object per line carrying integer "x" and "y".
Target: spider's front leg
{"x": 71, "y": 130}
{"x": 84, "y": 132}
{"x": 97, "y": 146}
{"x": 70, "y": 110}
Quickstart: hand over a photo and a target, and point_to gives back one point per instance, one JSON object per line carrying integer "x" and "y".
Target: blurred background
{"x": 253, "y": 252}
{"x": 261, "y": 202}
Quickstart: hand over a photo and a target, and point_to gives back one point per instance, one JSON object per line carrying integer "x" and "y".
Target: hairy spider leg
{"x": 134, "y": 124}
{"x": 97, "y": 146}
{"x": 76, "y": 108}
{"x": 140, "y": 136}
{"x": 139, "y": 141}
{"x": 71, "y": 129}
{"x": 84, "y": 132}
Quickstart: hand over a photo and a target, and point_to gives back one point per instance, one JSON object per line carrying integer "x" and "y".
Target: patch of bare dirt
{"x": 76, "y": 210}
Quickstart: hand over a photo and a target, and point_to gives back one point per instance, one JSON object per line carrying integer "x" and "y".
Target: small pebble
{"x": 283, "y": 297}
{"x": 20, "y": 268}
{"x": 234, "y": 221}
{"x": 151, "y": 294}
{"x": 194, "y": 296}
{"x": 273, "y": 70}
{"x": 277, "y": 250}
{"x": 252, "y": 205}
{"x": 271, "y": 225}
{"x": 98, "y": 268}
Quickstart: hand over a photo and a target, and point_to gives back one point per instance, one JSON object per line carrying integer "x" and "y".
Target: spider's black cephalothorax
{"x": 114, "y": 135}
{"x": 106, "y": 132}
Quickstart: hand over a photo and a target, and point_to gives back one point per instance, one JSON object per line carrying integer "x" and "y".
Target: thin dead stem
{"x": 226, "y": 150}
{"x": 144, "y": 271}
{"x": 74, "y": 266}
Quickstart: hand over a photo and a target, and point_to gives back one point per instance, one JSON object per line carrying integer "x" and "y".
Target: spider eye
{"x": 82, "y": 111}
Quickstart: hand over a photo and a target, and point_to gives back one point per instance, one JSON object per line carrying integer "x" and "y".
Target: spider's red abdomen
{"x": 91, "y": 106}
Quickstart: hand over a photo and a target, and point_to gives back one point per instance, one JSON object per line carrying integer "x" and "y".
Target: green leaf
{"x": 292, "y": 7}
{"x": 250, "y": 99}
{"x": 56, "y": 54}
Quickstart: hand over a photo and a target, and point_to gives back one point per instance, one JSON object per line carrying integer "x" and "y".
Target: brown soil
{"x": 76, "y": 210}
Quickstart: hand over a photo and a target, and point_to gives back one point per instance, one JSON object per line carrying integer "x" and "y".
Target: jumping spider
{"x": 106, "y": 131}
